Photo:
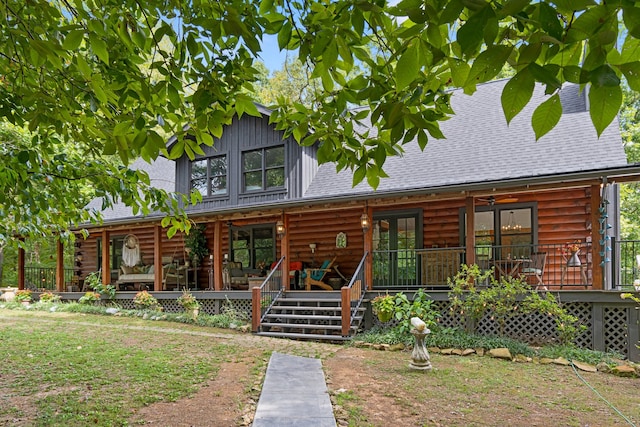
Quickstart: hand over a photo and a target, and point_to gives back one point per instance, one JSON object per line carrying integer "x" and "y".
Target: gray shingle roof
{"x": 162, "y": 173}
{"x": 480, "y": 146}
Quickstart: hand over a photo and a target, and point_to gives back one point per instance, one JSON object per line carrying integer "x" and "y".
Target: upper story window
{"x": 209, "y": 176}
{"x": 263, "y": 169}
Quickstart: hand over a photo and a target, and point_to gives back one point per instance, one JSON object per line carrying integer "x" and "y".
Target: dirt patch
{"x": 222, "y": 402}
{"x": 375, "y": 387}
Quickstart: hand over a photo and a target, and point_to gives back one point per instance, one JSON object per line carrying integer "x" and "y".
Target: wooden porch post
{"x": 368, "y": 248}
{"x": 345, "y": 297}
{"x": 256, "y": 311}
{"x": 59, "y": 266}
{"x": 217, "y": 256}
{"x": 157, "y": 258}
{"x": 470, "y": 240}
{"x": 596, "y": 247}
{"x": 21, "y": 265}
{"x": 284, "y": 251}
{"x": 106, "y": 258}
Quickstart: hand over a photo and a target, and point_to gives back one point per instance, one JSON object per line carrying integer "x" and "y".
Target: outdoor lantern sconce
{"x": 312, "y": 246}
{"x": 364, "y": 222}
{"x": 280, "y": 230}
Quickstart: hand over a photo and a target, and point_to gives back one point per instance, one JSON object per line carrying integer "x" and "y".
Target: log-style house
{"x": 266, "y": 200}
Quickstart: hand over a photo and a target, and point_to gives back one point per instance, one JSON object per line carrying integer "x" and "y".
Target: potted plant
{"x": 145, "y": 301}
{"x": 383, "y": 307}
{"x": 195, "y": 244}
{"x": 23, "y": 296}
{"x": 189, "y": 303}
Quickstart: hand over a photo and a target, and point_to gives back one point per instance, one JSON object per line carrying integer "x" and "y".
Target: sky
{"x": 271, "y": 55}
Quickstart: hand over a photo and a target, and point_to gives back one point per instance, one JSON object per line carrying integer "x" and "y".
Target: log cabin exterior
{"x": 528, "y": 196}
{"x": 552, "y": 192}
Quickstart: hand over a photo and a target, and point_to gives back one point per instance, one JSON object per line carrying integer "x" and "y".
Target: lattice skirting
{"x": 617, "y": 332}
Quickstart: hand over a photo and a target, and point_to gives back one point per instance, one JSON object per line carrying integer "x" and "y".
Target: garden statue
{"x": 420, "y": 356}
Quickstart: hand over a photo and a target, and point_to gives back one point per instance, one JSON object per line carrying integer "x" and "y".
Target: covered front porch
{"x": 431, "y": 268}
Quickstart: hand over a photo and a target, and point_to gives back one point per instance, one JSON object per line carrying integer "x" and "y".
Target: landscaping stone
{"x": 434, "y": 349}
{"x": 561, "y": 361}
{"x": 500, "y": 353}
{"x": 456, "y": 351}
{"x": 446, "y": 351}
{"x": 545, "y": 361}
{"x": 468, "y": 351}
{"x": 585, "y": 366}
{"x": 396, "y": 347}
{"x": 624, "y": 371}
{"x": 603, "y": 367}
{"x": 480, "y": 351}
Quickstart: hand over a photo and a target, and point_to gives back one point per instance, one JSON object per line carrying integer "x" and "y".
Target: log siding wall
{"x": 562, "y": 216}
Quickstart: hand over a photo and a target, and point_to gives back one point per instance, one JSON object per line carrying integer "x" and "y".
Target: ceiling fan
{"x": 491, "y": 200}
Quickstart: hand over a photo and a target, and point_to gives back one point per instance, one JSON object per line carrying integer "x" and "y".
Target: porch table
{"x": 508, "y": 267}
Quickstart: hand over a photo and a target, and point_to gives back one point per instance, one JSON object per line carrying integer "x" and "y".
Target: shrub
{"x": 419, "y": 307}
{"x": 49, "y": 297}
{"x": 89, "y": 298}
{"x": 506, "y": 298}
{"x": 94, "y": 281}
{"x": 23, "y": 295}
{"x": 144, "y": 300}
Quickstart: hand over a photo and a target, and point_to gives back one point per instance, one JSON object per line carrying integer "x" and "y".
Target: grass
{"x": 75, "y": 368}
{"x": 71, "y": 370}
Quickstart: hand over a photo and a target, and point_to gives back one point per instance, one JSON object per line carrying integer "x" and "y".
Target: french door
{"x": 396, "y": 236}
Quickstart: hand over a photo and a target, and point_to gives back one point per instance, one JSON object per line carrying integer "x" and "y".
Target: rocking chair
{"x": 314, "y": 276}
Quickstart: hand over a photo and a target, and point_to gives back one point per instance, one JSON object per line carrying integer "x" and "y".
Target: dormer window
{"x": 263, "y": 169}
{"x": 209, "y": 176}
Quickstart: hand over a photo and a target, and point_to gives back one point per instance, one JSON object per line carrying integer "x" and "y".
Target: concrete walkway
{"x": 294, "y": 393}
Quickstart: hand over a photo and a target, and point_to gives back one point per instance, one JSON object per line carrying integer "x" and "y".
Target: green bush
{"x": 504, "y": 299}
{"x": 420, "y": 307}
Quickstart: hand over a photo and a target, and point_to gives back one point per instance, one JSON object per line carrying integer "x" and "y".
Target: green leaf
{"x": 630, "y": 50}
{"x": 408, "y": 67}
{"x": 549, "y": 22}
{"x": 632, "y": 72}
{"x": 512, "y": 7}
{"x": 546, "y": 116}
{"x": 451, "y": 11}
{"x": 604, "y": 103}
{"x": 73, "y": 39}
{"x": 284, "y": 36}
{"x": 517, "y": 94}
{"x": 99, "y": 47}
{"x": 459, "y": 71}
{"x": 604, "y": 76}
{"x": 631, "y": 17}
{"x": 488, "y": 64}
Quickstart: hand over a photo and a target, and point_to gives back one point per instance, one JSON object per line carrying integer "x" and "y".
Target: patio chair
{"x": 535, "y": 269}
{"x": 314, "y": 276}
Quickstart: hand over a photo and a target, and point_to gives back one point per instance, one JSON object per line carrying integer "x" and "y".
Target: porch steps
{"x": 314, "y": 315}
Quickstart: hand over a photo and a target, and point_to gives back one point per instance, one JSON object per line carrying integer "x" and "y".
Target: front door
{"x": 395, "y": 239}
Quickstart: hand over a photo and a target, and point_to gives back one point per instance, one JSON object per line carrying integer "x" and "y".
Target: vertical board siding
{"x": 246, "y": 134}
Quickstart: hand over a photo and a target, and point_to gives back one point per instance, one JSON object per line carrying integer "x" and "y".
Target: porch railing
{"x": 352, "y": 296}
{"x": 432, "y": 267}
{"x": 624, "y": 263}
{"x": 44, "y": 277}
{"x": 264, "y": 296}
